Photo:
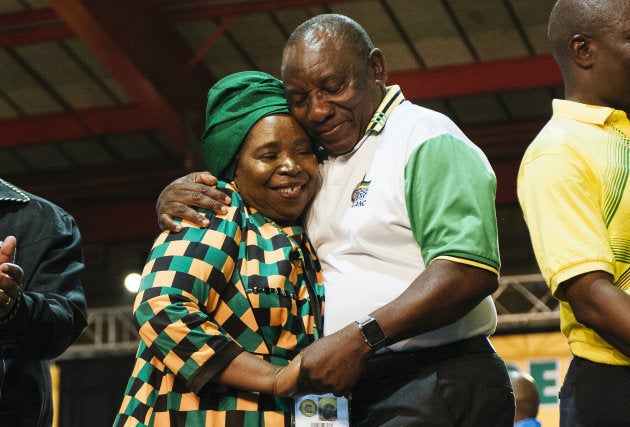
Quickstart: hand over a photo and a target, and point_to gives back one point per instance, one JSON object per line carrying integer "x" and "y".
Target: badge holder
{"x": 321, "y": 410}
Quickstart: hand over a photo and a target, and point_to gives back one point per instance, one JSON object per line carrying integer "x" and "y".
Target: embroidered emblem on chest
{"x": 359, "y": 195}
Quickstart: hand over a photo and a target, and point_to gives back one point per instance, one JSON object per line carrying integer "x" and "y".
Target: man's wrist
{"x": 10, "y": 314}
{"x": 372, "y": 332}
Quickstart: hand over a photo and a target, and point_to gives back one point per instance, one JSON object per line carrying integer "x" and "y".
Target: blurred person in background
{"x": 527, "y": 399}
{"x": 42, "y": 304}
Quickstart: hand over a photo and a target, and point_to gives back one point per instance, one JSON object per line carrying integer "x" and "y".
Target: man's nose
{"x": 319, "y": 108}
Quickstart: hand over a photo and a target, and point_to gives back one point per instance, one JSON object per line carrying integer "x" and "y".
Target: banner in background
{"x": 546, "y": 357}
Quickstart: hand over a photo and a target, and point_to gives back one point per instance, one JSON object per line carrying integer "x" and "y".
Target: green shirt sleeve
{"x": 450, "y": 194}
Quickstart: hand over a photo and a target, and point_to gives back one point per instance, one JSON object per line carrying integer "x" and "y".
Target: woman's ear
{"x": 583, "y": 50}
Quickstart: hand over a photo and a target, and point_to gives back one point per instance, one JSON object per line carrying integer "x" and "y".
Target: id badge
{"x": 322, "y": 410}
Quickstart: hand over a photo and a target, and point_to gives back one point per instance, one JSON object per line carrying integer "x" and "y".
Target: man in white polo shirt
{"x": 405, "y": 229}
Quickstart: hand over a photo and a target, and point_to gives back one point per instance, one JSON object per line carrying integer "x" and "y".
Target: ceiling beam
{"x": 491, "y": 77}
{"x": 457, "y": 80}
{"x": 147, "y": 56}
{"x": 506, "y": 141}
{"x": 32, "y": 26}
{"x": 484, "y": 77}
{"x": 143, "y": 43}
{"x": 194, "y": 10}
{"x": 47, "y": 128}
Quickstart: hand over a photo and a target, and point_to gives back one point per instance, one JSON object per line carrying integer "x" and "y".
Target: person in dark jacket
{"x": 42, "y": 304}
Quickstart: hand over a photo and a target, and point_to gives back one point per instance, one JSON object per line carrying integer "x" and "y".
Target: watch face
{"x": 372, "y": 332}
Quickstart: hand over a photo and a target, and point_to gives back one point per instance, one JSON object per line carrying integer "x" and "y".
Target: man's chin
{"x": 340, "y": 147}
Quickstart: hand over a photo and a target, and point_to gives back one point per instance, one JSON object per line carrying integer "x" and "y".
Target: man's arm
{"x": 51, "y": 311}
{"x": 193, "y": 190}
{"x": 440, "y": 295}
{"x": 601, "y": 306}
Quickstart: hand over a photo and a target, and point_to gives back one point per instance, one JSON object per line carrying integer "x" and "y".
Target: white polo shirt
{"x": 410, "y": 192}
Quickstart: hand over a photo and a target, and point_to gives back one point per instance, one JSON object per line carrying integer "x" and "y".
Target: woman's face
{"x": 276, "y": 170}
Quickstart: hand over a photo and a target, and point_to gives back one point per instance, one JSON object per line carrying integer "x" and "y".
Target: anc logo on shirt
{"x": 359, "y": 195}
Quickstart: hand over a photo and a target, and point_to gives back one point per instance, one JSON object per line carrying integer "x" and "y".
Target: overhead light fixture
{"x": 132, "y": 282}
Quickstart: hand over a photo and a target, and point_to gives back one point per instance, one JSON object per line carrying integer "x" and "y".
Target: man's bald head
{"x": 579, "y": 17}
{"x": 589, "y": 39}
{"x": 336, "y": 27}
{"x": 525, "y": 395}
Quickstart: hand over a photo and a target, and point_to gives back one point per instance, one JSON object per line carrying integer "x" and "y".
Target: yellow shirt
{"x": 573, "y": 189}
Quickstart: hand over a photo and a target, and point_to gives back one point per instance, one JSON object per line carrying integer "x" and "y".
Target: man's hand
{"x": 334, "y": 363}
{"x": 10, "y": 276}
{"x": 195, "y": 189}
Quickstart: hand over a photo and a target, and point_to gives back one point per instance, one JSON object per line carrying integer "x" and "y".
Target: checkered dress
{"x": 207, "y": 295}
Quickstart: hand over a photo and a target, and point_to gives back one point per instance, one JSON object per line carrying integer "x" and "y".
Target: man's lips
{"x": 329, "y": 132}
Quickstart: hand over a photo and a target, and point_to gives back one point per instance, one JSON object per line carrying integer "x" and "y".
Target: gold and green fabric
{"x": 207, "y": 295}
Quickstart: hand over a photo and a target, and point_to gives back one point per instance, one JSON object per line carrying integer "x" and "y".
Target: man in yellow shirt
{"x": 574, "y": 190}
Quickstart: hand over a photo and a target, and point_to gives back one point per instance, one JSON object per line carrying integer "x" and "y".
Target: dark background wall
{"x": 91, "y": 390}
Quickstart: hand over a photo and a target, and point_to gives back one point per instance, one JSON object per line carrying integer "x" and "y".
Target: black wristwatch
{"x": 373, "y": 335}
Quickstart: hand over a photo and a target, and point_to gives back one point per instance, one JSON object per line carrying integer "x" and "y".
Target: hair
{"x": 334, "y": 27}
{"x": 525, "y": 395}
{"x": 586, "y": 17}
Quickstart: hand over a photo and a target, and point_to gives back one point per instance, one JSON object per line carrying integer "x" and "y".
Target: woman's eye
{"x": 268, "y": 156}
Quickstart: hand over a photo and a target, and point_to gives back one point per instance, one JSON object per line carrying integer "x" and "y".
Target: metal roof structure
{"x": 102, "y": 101}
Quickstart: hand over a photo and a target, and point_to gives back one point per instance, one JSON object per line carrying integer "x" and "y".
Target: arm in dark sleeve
{"x": 52, "y": 308}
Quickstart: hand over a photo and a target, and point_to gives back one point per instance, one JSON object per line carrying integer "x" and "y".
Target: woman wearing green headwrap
{"x": 223, "y": 312}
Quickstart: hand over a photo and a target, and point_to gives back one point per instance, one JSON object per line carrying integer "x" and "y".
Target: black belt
{"x": 404, "y": 362}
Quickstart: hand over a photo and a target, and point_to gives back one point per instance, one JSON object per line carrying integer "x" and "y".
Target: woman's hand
{"x": 285, "y": 380}
{"x": 251, "y": 373}
{"x": 195, "y": 189}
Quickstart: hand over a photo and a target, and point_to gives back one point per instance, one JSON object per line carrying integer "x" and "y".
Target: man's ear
{"x": 377, "y": 65}
{"x": 583, "y": 50}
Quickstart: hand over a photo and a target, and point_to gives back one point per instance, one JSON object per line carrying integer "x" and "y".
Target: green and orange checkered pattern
{"x": 207, "y": 295}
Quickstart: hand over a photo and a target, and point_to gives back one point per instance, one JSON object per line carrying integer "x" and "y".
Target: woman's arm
{"x": 248, "y": 372}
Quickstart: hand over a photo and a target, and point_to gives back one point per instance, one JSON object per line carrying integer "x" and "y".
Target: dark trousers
{"x": 461, "y": 384}
{"x": 594, "y": 394}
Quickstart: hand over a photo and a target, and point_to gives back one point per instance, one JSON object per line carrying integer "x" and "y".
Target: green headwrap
{"x": 235, "y": 104}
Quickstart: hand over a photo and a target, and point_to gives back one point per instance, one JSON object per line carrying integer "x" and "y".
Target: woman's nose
{"x": 290, "y": 165}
